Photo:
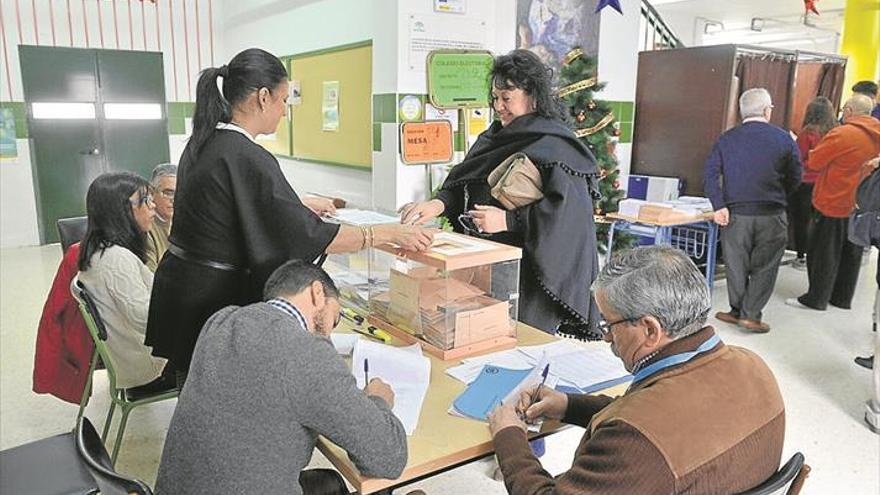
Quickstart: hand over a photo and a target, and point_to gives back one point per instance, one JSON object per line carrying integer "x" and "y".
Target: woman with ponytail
{"x": 236, "y": 217}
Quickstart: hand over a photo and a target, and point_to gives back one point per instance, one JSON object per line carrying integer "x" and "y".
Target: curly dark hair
{"x": 819, "y": 115}
{"x": 523, "y": 69}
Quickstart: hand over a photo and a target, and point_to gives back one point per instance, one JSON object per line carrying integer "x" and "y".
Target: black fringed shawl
{"x": 557, "y": 233}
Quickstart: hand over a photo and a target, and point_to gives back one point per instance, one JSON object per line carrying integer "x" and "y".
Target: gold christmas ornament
{"x": 572, "y": 55}
{"x": 607, "y": 119}
{"x": 578, "y": 86}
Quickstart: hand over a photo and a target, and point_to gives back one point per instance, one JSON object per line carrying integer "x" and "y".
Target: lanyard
{"x": 675, "y": 359}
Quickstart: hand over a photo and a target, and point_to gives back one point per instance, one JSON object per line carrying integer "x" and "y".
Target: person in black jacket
{"x": 556, "y": 233}
{"x": 236, "y": 216}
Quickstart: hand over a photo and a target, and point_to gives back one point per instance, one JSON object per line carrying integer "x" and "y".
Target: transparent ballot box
{"x": 457, "y": 299}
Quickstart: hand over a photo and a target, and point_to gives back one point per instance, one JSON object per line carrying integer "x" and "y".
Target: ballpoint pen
{"x": 366, "y": 372}
{"x": 537, "y": 391}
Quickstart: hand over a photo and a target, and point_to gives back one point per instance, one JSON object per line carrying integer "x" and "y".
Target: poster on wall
{"x": 295, "y": 95}
{"x": 8, "y": 147}
{"x": 551, "y": 28}
{"x": 428, "y": 33}
{"x": 330, "y": 106}
{"x": 478, "y": 120}
{"x": 434, "y": 113}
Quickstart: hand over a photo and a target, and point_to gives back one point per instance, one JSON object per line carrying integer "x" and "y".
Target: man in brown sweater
{"x": 700, "y": 417}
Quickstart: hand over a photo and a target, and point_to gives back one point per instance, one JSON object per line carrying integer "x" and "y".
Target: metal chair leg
{"x": 119, "y": 433}
{"x": 87, "y": 391}
{"x": 109, "y": 419}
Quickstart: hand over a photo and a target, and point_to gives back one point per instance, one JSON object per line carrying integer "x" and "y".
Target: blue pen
{"x": 538, "y": 390}
{"x": 366, "y": 372}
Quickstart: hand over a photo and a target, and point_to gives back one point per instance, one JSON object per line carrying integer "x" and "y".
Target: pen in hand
{"x": 537, "y": 395}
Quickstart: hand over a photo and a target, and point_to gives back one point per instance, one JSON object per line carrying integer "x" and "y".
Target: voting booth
{"x": 457, "y": 299}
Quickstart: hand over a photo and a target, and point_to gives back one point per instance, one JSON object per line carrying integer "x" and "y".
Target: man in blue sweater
{"x": 750, "y": 172}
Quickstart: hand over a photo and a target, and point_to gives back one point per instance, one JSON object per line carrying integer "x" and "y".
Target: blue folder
{"x": 487, "y": 391}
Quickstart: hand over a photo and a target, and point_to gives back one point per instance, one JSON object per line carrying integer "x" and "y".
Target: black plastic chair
{"x": 71, "y": 230}
{"x": 96, "y": 460}
{"x": 791, "y": 475}
{"x": 51, "y": 466}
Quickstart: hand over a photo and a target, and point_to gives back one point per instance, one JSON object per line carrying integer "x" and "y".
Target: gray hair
{"x": 753, "y": 102}
{"x": 659, "y": 281}
{"x": 162, "y": 170}
{"x": 860, "y": 104}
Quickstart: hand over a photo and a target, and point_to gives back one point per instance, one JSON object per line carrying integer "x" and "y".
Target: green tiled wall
{"x": 177, "y": 112}
{"x": 624, "y": 113}
{"x": 20, "y": 115}
{"x": 385, "y": 111}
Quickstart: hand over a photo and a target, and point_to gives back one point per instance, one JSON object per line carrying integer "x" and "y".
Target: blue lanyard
{"x": 675, "y": 359}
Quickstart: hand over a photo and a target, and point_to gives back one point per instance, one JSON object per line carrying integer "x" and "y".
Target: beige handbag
{"x": 516, "y": 182}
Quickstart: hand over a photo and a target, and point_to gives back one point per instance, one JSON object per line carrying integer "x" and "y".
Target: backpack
{"x": 864, "y": 221}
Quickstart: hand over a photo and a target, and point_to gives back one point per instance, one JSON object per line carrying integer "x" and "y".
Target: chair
{"x": 50, "y": 466}
{"x": 94, "y": 456}
{"x": 791, "y": 475}
{"x": 126, "y": 399}
{"x": 71, "y": 230}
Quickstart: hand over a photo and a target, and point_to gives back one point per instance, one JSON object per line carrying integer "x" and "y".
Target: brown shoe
{"x": 727, "y": 317}
{"x": 754, "y": 326}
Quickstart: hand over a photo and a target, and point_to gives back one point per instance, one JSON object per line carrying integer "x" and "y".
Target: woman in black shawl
{"x": 556, "y": 233}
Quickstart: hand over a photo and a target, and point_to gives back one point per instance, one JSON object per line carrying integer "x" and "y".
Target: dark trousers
{"x": 753, "y": 247}
{"x": 832, "y": 264}
{"x": 800, "y": 207}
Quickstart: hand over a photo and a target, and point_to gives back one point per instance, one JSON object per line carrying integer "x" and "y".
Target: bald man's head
{"x": 856, "y": 106}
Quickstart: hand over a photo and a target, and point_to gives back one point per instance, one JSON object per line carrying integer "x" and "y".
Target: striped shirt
{"x": 290, "y": 309}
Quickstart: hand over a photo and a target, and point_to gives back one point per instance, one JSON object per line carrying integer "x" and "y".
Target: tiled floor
{"x": 810, "y": 352}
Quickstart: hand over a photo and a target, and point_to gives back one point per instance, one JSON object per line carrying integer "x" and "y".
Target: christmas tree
{"x": 594, "y": 123}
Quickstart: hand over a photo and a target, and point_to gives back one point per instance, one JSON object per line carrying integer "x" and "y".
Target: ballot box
{"x": 457, "y": 299}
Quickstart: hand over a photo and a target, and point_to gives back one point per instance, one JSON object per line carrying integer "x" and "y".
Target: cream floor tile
{"x": 810, "y": 353}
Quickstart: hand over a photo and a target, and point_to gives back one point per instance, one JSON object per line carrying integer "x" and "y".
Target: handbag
{"x": 516, "y": 182}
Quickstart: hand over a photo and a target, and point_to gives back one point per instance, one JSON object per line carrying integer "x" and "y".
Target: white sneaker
{"x": 794, "y": 303}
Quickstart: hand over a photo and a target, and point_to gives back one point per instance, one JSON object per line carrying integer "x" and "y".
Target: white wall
{"x": 618, "y": 62}
{"x": 18, "y": 220}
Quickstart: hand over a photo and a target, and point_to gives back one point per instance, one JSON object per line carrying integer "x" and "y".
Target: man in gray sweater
{"x": 264, "y": 382}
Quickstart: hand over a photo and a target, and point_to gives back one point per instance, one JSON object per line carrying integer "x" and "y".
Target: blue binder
{"x": 487, "y": 391}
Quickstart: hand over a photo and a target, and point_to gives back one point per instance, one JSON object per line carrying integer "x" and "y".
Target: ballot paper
{"x": 579, "y": 367}
{"x": 354, "y": 216}
{"x": 405, "y": 369}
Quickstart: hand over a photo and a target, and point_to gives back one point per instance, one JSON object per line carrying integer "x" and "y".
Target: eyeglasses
{"x": 605, "y": 327}
{"x": 143, "y": 199}
{"x": 167, "y": 193}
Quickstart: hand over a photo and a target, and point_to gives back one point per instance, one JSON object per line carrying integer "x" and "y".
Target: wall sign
{"x": 459, "y": 78}
{"x": 426, "y": 142}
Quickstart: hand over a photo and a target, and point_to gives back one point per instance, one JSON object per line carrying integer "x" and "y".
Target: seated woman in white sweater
{"x": 112, "y": 269}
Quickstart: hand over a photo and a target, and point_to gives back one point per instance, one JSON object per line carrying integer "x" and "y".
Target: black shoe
{"x": 865, "y": 362}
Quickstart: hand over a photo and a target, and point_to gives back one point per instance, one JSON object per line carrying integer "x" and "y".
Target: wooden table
{"x": 442, "y": 441}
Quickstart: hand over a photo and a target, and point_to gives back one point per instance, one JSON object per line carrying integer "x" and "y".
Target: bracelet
{"x": 364, "y": 234}
{"x": 372, "y": 236}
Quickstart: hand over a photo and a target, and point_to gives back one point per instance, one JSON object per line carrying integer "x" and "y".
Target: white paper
{"x": 354, "y": 216}
{"x": 531, "y": 381}
{"x": 449, "y": 245}
{"x": 344, "y": 342}
{"x": 403, "y": 368}
{"x": 471, "y": 367}
{"x": 580, "y": 364}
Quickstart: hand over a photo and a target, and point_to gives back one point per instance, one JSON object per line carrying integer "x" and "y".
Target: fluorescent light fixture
{"x": 47, "y": 110}
{"x": 132, "y": 111}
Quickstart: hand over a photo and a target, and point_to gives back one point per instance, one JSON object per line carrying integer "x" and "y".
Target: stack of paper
{"x": 403, "y": 368}
{"x": 582, "y": 368}
{"x": 353, "y": 216}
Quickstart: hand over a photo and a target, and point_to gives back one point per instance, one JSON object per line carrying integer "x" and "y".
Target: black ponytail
{"x": 247, "y": 72}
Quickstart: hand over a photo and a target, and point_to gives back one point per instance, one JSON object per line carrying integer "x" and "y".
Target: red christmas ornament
{"x": 810, "y": 6}
{"x": 581, "y": 116}
{"x": 616, "y": 184}
{"x": 616, "y": 132}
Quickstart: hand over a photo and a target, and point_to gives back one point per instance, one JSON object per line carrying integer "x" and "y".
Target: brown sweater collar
{"x": 685, "y": 344}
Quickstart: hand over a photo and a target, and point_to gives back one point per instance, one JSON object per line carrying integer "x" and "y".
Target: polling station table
{"x": 442, "y": 441}
{"x": 696, "y": 236}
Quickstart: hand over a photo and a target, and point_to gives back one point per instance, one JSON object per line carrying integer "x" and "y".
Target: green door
{"x": 89, "y": 112}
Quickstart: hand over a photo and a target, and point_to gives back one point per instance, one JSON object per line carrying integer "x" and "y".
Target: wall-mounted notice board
{"x": 349, "y": 70}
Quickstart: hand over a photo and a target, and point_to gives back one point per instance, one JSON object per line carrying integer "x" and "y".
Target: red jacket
{"x": 64, "y": 346}
{"x": 839, "y": 160}
{"x": 806, "y": 141}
